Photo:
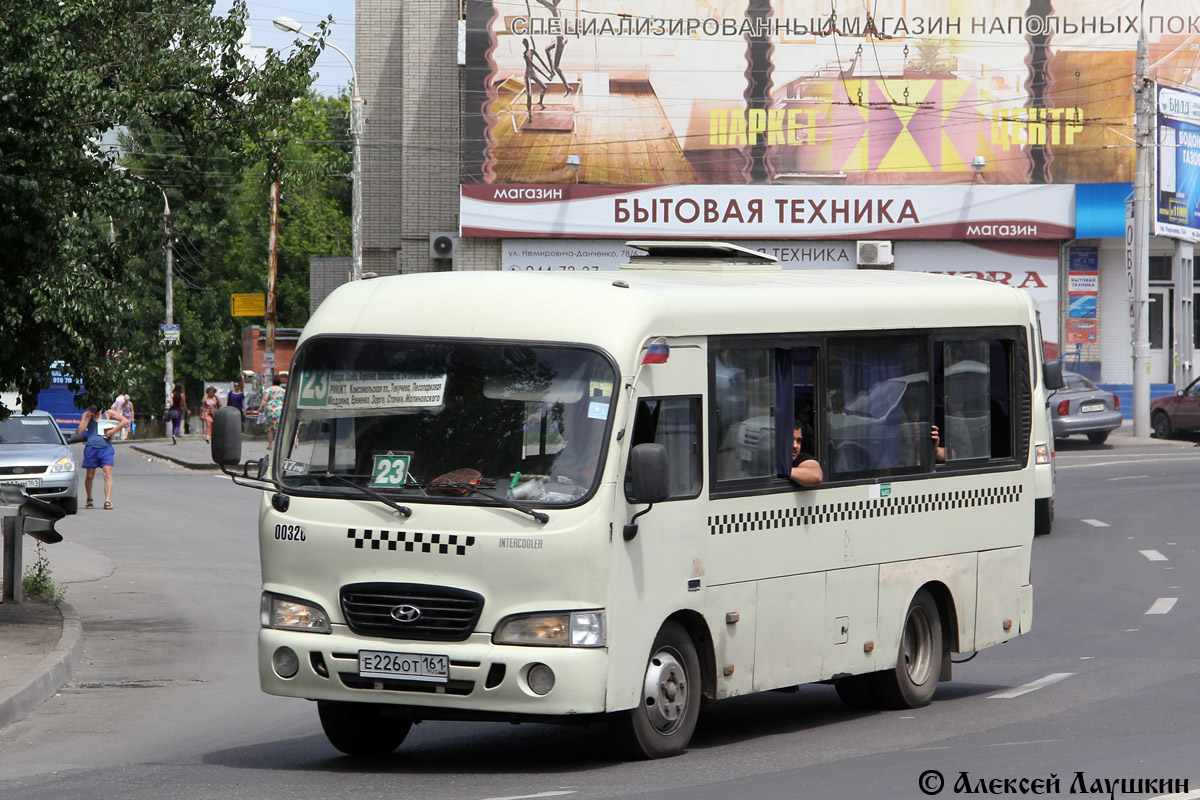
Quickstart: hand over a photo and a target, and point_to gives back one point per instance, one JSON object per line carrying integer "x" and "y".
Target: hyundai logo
{"x": 406, "y": 613}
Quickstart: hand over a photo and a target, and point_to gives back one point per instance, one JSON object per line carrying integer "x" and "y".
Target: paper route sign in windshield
{"x": 353, "y": 389}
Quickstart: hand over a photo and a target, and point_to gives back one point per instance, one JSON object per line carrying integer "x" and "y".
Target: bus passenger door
{"x": 661, "y": 570}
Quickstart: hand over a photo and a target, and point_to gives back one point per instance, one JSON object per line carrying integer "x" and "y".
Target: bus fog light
{"x": 286, "y": 663}
{"x": 540, "y": 679}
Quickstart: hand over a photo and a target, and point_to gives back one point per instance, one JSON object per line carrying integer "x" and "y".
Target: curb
{"x": 165, "y": 457}
{"x": 51, "y": 673}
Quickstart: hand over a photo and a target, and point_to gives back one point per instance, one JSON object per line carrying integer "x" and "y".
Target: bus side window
{"x": 673, "y": 422}
{"x": 744, "y": 399}
{"x": 977, "y": 399}
{"x": 879, "y": 420}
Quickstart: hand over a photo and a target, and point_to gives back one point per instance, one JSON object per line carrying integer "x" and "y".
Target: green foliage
{"x": 38, "y": 583}
{"x": 221, "y": 225}
{"x": 69, "y": 72}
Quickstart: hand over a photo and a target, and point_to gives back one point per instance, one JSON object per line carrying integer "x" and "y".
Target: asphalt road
{"x": 166, "y": 701}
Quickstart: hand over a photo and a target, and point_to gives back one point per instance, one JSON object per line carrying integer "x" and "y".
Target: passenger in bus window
{"x": 806, "y": 470}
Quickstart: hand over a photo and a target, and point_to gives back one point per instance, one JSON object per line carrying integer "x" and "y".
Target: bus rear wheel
{"x": 362, "y": 730}
{"x": 912, "y": 682}
{"x": 662, "y": 722}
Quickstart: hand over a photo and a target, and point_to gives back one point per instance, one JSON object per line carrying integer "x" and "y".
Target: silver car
{"x": 1080, "y": 407}
{"x": 34, "y": 454}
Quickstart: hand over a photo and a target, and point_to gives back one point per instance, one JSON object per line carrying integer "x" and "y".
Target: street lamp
{"x": 169, "y": 372}
{"x": 288, "y": 25}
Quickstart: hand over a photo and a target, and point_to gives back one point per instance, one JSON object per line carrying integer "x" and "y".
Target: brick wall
{"x": 406, "y": 57}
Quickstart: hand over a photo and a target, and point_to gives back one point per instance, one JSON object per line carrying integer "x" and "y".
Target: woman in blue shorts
{"x": 98, "y": 452}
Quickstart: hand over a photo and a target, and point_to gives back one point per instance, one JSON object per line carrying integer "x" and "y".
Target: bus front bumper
{"x": 484, "y": 679}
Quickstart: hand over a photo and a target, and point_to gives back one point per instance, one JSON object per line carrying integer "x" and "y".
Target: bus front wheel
{"x": 361, "y": 729}
{"x": 912, "y": 682}
{"x": 662, "y": 722}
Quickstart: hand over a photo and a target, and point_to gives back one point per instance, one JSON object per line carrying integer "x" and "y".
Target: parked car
{"x": 1178, "y": 412}
{"x": 1080, "y": 407}
{"x": 34, "y": 454}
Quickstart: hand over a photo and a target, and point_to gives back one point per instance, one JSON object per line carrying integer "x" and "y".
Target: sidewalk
{"x": 41, "y": 645}
{"x": 192, "y": 451}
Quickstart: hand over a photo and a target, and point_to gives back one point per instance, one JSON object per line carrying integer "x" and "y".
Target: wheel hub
{"x": 665, "y": 692}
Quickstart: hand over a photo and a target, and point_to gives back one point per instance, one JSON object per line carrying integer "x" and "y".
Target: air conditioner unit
{"x": 875, "y": 255}
{"x": 442, "y": 245}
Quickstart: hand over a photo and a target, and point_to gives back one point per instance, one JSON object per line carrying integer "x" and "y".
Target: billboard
{"x": 785, "y": 92}
{"x": 1177, "y": 201}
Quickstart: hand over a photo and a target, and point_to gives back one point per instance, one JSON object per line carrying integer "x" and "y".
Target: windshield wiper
{"x": 470, "y": 487}
{"x": 371, "y": 493}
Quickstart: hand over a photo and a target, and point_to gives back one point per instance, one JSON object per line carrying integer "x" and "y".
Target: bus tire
{"x": 362, "y": 730}
{"x": 662, "y": 723}
{"x": 1043, "y": 516}
{"x": 912, "y": 682}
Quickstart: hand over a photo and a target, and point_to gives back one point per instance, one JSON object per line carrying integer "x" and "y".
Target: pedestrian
{"x": 177, "y": 410}
{"x": 237, "y": 398}
{"x": 128, "y": 413}
{"x": 98, "y": 452}
{"x": 124, "y": 406}
{"x": 273, "y": 409}
{"x": 208, "y": 407}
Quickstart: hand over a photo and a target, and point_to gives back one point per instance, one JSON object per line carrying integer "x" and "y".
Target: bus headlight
{"x": 285, "y": 613}
{"x": 567, "y": 629}
{"x": 1042, "y": 452}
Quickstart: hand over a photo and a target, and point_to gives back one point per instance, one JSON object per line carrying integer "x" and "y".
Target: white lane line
{"x": 1153, "y": 555}
{"x": 1162, "y": 605}
{"x": 531, "y": 796}
{"x": 1128, "y": 478}
{"x": 1095, "y": 523}
{"x": 1040, "y": 683}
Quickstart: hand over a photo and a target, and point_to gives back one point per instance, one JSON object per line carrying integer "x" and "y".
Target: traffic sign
{"x": 248, "y": 305}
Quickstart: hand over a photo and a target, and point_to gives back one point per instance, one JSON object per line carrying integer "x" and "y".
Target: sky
{"x": 332, "y": 70}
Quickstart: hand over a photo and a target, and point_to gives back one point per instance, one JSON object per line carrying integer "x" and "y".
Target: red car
{"x": 1180, "y": 412}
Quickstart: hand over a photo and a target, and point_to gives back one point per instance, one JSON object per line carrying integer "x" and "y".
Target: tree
{"x": 221, "y": 223}
{"x": 69, "y": 72}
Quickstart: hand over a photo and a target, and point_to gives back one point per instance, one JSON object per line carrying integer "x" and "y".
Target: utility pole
{"x": 169, "y": 374}
{"x": 272, "y": 267}
{"x": 1139, "y": 273}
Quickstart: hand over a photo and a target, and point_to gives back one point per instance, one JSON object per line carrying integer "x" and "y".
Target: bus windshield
{"x": 446, "y": 420}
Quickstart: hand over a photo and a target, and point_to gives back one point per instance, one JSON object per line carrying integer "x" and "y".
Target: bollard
{"x": 19, "y": 514}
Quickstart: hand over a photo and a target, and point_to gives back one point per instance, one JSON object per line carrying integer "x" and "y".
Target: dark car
{"x": 1080, "y": 407}
{"x": 1178, "y": 412}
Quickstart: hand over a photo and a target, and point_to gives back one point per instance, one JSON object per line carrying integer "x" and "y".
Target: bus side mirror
{"x": 648, "y": 469}
{"x": 1052, "y": 375}
{"x": 227, "y": 437}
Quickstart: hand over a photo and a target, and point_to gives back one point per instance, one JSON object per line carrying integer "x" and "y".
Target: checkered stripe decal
{"x": 412, "y": 541}
{"x": 861, "y": 509}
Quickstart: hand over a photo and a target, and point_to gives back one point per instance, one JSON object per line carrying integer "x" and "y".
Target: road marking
{"x": 1128, "y": 478}
{"x": 1040, "y": 683}
{"x": 531, "y": 796}
{"x": 1153, "y": 555}
{"x": 1162, "y": 605}
{"x": 1146, "y": 460}
{"x": 1095, "y": 523}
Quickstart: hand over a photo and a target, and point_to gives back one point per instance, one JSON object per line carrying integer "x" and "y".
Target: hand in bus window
{"x": 938, "y": 450}
{"x": 806, "y": 470}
